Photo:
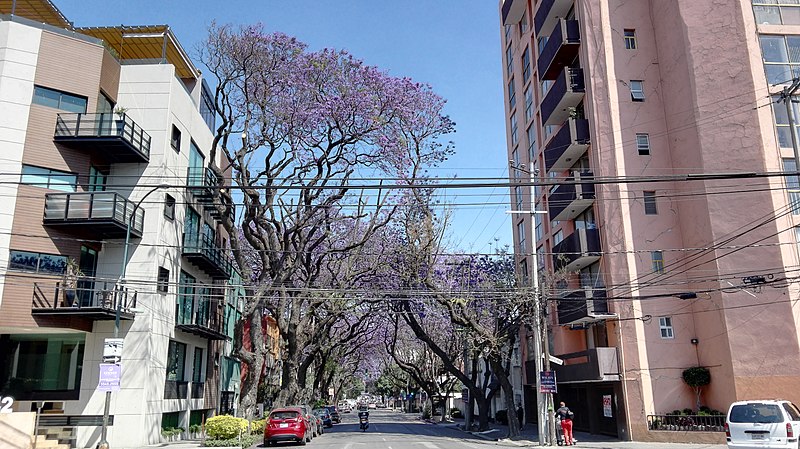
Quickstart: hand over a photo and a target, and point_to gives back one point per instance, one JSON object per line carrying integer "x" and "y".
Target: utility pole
{"x": 786, "y": 96}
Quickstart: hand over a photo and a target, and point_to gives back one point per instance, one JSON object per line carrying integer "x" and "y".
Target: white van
{"x": 764, "y": 424}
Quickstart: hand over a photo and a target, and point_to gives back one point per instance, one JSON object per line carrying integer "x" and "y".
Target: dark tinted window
{"x": 756, "y": 413}
{"x": 283, "y": 415}
{"x": 59, "y": 100}
{"x": 794, "y": 414}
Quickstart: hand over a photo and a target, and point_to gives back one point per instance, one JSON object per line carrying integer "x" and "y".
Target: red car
{"x": 287, "y": 424}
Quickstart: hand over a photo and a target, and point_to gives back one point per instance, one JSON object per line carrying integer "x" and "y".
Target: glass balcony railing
{"x": 204, "y": 252}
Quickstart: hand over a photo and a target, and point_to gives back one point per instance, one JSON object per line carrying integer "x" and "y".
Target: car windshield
{"x": 756, "y": 413}
{"x": 283, "y": 415}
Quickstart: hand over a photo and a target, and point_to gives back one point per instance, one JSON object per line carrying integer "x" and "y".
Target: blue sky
{"x": 454, "y": 45}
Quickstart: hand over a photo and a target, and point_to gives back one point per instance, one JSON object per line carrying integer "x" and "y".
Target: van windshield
{"x": 756, "y": 413}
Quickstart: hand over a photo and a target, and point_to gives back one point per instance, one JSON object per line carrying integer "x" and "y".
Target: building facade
{"x": 106, "y": 134}
{"x": 611, "y": 108}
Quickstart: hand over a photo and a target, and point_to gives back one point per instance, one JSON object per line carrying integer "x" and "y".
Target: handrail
{"x": 84, "y": 293}
{"x": 104, "y": 125}
{"x": 686, "y": 423}
{"x": 203, "y": 244}
{"x": 79, "y": 206}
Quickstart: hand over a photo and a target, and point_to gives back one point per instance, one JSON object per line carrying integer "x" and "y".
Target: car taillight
{"x": 727, "y": 430}
{"x": 789, "y": 430}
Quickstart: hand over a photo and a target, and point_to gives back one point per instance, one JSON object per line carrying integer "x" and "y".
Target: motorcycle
{"x": 363, "y": 419}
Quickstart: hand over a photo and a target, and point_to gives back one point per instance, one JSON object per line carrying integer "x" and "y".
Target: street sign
{"x": 465, "y": 395}
{"x": 607, "y": 406}
{"x": 110, "y": 375}
{"x": 547, "y": 382}
{"x": 112, "y": 350}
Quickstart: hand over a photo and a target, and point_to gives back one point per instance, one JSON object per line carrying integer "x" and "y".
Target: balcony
{"x": 582, "y": 307}
{"x": 175, "y": 389}
{"x": 548, "y": 14}
{"x": 206, "y": 255}
{"x": 580, "y": 249}
{"x": 199, "y": 315}
{"x": 85, "y": 298}
{"x": 115, "y": 137}
{"x": 99, "y": 214}
{"x": 204, "y": 185}
{"x": 568, "y": 200}
{"x": 593, "y": 365}
{"x": 513, "y": 10}
{"x": 567, "y": 145}
{"x": 566, "y": 93}
{"x": 560, "y": 50}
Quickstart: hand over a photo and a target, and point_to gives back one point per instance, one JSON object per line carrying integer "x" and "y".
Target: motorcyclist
{"x": 363, "y": 418}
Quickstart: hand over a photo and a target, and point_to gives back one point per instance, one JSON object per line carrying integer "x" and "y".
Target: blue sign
{"x": 110, "y": 375}
{"x": 547, "y": 382}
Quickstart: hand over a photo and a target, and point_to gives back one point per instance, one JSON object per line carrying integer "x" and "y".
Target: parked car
{"x": 334, "y": 412}
{"x": 323, "y": 414}
{"x": 314, "y": 423}
{"x": 287, "y": 424}
{"x": 372, "y": 406}
{"x": 773, "y": 424}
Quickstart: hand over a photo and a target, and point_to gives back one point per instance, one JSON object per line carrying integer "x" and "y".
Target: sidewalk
{"x": 530, "y": 437}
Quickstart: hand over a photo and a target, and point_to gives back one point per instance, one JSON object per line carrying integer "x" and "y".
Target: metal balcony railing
{"x": 201, "y": 250}
{"x": 102, "y": 213}
{"x": 176, "y": 389}
{"x": 560, "y": 49}
{"x": 83, "y": 297}
{"x": 686, "y": 423}
{"x": 116, "y": 135}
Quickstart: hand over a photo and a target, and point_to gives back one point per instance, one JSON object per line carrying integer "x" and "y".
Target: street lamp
{"x": 540, "y": 343}
{"x": 106, "y": 409}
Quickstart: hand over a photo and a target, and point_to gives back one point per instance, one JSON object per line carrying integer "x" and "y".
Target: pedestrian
{"x": 565, "y": 414}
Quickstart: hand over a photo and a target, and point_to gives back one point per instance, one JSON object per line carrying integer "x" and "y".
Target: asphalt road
{"x": 396, "y": 430}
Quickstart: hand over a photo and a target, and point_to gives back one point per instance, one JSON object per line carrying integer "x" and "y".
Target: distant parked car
{"x": 323, "y": 414}
{"x": 772, "y": 424}
{"x": 287, "y": 424}
{"x": 314, "y": 423}
{"x": 334, "y": 412}
{"x": 372, "y": 405}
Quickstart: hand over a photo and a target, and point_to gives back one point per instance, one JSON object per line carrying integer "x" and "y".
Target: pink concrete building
{"x": 661, "y": 275}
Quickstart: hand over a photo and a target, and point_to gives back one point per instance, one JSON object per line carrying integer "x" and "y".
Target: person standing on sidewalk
{"x": 565, "y": 414}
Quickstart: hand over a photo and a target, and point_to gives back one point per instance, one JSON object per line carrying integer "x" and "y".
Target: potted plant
{"x": 697, "y": 377}
{"x": 72, "y": 272}
{"x": 120, "y": 111}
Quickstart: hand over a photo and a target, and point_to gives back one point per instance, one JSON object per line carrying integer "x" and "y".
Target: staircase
{"x": 16, "y": 430}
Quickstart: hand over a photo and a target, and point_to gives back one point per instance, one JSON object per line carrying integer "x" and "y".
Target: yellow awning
{"x": 43, "y": 11}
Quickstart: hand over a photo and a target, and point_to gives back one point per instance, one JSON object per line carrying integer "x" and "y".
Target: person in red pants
{"x": 565, "y": 414}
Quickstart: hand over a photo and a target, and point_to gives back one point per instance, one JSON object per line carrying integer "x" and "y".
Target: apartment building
{"x": 648, "y": 277}
{"x": 110, "y": 218}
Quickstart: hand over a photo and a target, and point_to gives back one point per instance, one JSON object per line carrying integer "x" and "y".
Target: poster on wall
{"x": 607, "y": 406}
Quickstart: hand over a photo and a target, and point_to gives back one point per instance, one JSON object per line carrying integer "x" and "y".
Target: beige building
{"x": 105, "y": 134}
{"x": 608, "y": 100}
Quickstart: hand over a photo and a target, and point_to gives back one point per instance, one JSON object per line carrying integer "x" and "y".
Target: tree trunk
{"x": 508, "y": 398}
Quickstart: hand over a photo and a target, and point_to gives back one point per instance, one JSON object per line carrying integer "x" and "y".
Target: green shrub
{"x": 257, "y": 426}
{"x": 225, "y": 427}
{"x": 687, "y": 411}
{"x": 456, "y": 413}
{"x": 675, "y": 412}
{"x": 247, "y": 441}
{"x": 426, "y": 412}
{"x": 194, "y": 428}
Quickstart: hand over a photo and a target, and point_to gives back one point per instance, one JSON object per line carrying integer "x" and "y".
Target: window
{"x": 792, "y": 185}
{"x": 169, "y": 206}
{"x": 558, "y": 237}
{"x": 37, "y": 262}
{"x": 650, "y": 203}
{"x": 509, "y": 60}
{"x": 537, "y": 220}
{"x": 665, "y": 325}
{"x": 549, "y": 130}
{"x": 48, "y": 179}
{"x": 512, "y": 94}
{"x": 521, "y": 236}
{"x": 175, "y": 140}
{"x": 630, "y": 39}
{"x": 797, "y": 237}
{"x": 591, "y": 277}
{"x": 518, "y": 196}
{"x": 508, "y": 34}
{"x": 197, "y": 366}
{"x": 532, "y": 143}
{"x": 523, "y": 24}
{"x": 782, "y": 122}
{"x": 540, "y": 44}
{"x": 97, "y": 180}
{"x": 769, "y": 13}
{"x": 637, "y": 90}
{"x": 34, "y": 366}
{"x": 526, "y": 65}
{"x": 59, "y": 100}
{"x": 528, "y": 104}
{"x": 585, "y": 220}
{"x": 643, "y": 144}
{"x": 523, "y": 271}
{"x": 163, "y": 280}
{"x": 537, "y": 189}
{"x": 514, "y": 134}
{"x": 657, "y": 259}
{"x": 546, "y": 85}
{"x": 104, "y": 104}
{"x": 781, "y": 55}
{"x": 176, "y": 361}
{"x": 207, "y": 108}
